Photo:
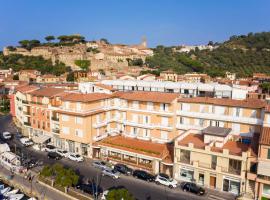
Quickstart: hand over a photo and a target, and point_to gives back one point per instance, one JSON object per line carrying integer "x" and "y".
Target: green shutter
{"x": 268, "y": 154}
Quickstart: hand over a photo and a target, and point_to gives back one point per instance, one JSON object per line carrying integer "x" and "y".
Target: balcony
{"x": 55, "y": 119}
{"x": 27, "y": 123}
{"x": 25, "y": 102}
{"x": 213, "y": 116}
{"x": 26, "y": 112}
{"x": 185, "y": 161}
{"x": 231, "y": 170}
{"x": 56, "y": 130}
{"x": 164, "y": 126}
{"x": 137, "y": 124}
{"x": 188, "y": 126}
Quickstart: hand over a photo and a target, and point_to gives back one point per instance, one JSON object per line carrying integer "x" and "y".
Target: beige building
{"x": 214, "y": 158}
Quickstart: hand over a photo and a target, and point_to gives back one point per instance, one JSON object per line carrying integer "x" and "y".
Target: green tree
{"x": 83, "y": 64}
{"x": 24, "y": 43}
{"x": 70, "y": 77}
{"x": 119, "y": 194}
{"x": 46, "y": 171}
{"x": 104, "y": 40}
{"x": 49, "y": 38}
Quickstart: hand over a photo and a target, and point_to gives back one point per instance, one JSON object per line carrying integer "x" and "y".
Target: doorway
{"x": 213, "y": 181}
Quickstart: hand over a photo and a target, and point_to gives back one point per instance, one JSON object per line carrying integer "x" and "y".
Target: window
{"x": 164, "y": 121}
{"x": 78, "y": 106}
{"x": 268, "y": 153}
{"x": 146, "y": 133}
{"x": 150, "y": 105}
{"x": 65, "y": 130}
{"x": 185, "y": 156}
{"x": 78, "y": 133}
{"x": 164, "y": 107}
{"x": 237, "y": 112}
{"x": 164, "y": 135}
{"x": 65, "y": 118}
{"x": 201, "y": 122}
{"x": 78, "y": 120}
{"x": 135, "y": 104}
{"x": 266, "y": 189}
{"x": 66, "y": 105}
{"x": 135, "y": 118}
{"x": 98, "y": 118}
{"x": 235, "y": 166}
{"x": 185, "y": 107}
{"x": 146, "y": 119}
{"x": 181, "y": 121}
{"x": 134, "y": 131}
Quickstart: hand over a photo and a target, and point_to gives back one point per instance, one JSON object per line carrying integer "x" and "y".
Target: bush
{"x": 119, "y": 194}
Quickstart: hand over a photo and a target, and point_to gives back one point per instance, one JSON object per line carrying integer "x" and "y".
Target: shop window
{"x": 266, "y": 189}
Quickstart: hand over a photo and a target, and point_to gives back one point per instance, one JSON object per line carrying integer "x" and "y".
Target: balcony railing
{"x": 26, "y": 112}
{"x": 55, "y": 119}
{"x": 231, "y": 170}
{"x": 185, "y": 160}
{"x": 27, "y": 123}
{"x": 25, "y": 102}
{"x": 214, "y": 116}
{"x": 56, "y": 130}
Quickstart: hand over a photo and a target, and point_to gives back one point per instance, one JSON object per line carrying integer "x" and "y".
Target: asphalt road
{"x": 142, "y": 190}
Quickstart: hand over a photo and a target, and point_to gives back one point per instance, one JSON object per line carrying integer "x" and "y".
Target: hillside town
{"x": 135, "y": 100}
{"x": 213, "y": 132}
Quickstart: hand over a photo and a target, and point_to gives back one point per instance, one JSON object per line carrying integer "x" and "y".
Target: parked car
{"x": 30, "y": 163}
{"x": 99, "y": 164}
{"x": 63, "y": 153}
{"x": 111, "y": 172}
{"x": 75, "y": 157}
{"x": 140, "y": 174}
{"x": 49, "y": 148}
{"x": 6, "y": 135}
{"x": 192, "y": 187}
{"x": 123, "y": 169}
{"x": 166, "y": 180}
{"x": 26, "y": 141}
{"x": 90, "y": 189}
{"x": 54, "y": 155}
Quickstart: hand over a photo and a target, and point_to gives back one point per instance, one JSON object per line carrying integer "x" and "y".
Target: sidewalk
{"x": 38, "y": 190}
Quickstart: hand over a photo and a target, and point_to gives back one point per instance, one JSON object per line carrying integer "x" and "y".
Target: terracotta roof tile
{"x": 47, "y": 92}
{"x": 27, "y": 88}
{"x": 247, "y": 103}
{"x": 234, "y": 147}
{"x": 136, "y": 146}
{"x": 265, "y": 136}
{"x": 85, "y": 97}
{"x": 159, "y": 97}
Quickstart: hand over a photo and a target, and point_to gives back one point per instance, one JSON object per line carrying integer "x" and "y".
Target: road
{"x": 142, "y": 190}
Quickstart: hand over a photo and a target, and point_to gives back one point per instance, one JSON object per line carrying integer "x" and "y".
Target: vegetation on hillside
{"x": 18, "y": 62}
{"x": 243, "y": 55}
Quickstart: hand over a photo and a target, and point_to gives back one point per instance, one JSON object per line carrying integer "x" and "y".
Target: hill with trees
{"x": 244, "y": 55}
{"x": 18, "y": 62}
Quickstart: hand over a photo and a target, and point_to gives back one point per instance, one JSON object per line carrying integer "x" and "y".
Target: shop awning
{"x": 41, "y": 139}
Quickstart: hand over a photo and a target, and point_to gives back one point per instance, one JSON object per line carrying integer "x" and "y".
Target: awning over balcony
{"x": 41, "y": 139}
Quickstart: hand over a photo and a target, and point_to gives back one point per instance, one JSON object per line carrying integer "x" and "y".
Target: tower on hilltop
{"x": 144, "y": 42}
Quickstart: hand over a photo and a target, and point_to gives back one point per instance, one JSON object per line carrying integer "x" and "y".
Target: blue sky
{"x": 167, "y": 22}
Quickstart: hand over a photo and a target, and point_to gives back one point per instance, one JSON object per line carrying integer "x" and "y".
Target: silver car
{"x": 99, "y": 164}
{"x": 111, "y": 172}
